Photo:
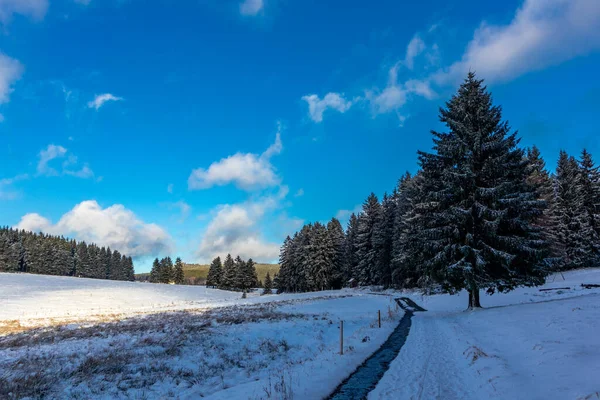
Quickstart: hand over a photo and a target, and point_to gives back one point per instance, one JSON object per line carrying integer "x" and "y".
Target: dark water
{"x": 368, "y": 374}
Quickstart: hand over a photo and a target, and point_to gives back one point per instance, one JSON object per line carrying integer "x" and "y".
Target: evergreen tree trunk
{"x": 474, "y": 297}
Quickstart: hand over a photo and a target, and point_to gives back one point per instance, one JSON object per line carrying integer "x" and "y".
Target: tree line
{"x": 38, "y": 253}
{"x": 480, "y": 213}
{"x": 164, "y": 271}
{"x": 233, "y": 274}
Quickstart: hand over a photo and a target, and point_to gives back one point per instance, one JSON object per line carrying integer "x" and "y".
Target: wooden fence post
{"x": 342, "y": 337}
{"x": 379, "y": 317}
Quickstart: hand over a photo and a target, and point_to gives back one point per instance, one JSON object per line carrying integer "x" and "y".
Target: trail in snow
{"x": 365, "y": 378}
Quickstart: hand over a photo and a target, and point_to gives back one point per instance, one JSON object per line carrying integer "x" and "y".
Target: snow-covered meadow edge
{"x": 82, "y": 338}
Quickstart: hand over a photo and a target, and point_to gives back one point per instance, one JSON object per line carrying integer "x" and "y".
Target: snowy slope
{"x": 526, "y": 344}
{"x": 121, "y": 343}
{"x": 38, "y": 300}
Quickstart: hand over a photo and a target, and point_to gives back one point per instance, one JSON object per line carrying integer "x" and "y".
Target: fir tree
{"x": 350, "y": 258}
{"x": 229, "y": 273}
{"x": 178, "y": 276}
{"x": 368, "y": 263}
{"x": 569, "y": 219}
{"x": 405, "y": 257}
{"x": 249, "y": 278}
{"x": 268, "y": 284}
{"x": 383, "y": 234}
{"x": 215, "y": 272}
{"x": 477, "y": 232}
{"x": 155, "y": 271}
{"x": 589, "y": 185}
{"x": 166, "y": 270}
{"x": 337, "y": 238}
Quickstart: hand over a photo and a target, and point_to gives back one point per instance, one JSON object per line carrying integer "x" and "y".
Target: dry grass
{"x": 114, "y": 358}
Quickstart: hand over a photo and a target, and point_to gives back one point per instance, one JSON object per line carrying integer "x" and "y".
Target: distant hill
{"x": 192, "y": 271}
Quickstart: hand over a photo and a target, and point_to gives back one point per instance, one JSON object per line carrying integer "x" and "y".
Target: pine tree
{"x": 268, "y": 284}
{"x": 129, "y": 270}
{"x": 116, "y": 271}
{"x": 570, "y": 226}
{"x": 589, "y": 185}
{"x": 239, "y": 276}
{"x": 285, "y": 267}
{"x": 383, "y": 234}
{"x": 155, "y": 271}
{"x": 350, "y": 250}
{"x": 249, "y": 277}
{"x": 178, "y": 276}
{"x": 319, "y": 258}
{"x": 337, "y": 238}
{"x": 367, "y": 254}
{"x": 166, "y": 270}
{"x": 215, "y": 273}
{"x": 405, "y": 258}
{"x": 229, "y": 273}
{"x": 477, "y": 232}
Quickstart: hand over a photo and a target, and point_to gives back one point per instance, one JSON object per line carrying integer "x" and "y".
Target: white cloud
{"x": 415, "y": 47}
{"x": 236, "y": 229}
{"x": 251, "y": 7}
{"x": 6, "y": 191}
{"x": 101, "y": 99}
{"x": 344, "y": 215}
{"x": 248, "y": 171}
{"x": 50, "y": 153}
{"x": 184, "y": 209}
{"x": 35, "y": 9}
{"x": 69, "y": 165}
{"x": 170, "y": 187}
{"x": 115, "y": 226}
{"x": 395, "y": 95}
{"x": 317, "y": 106}
{"x": 542, "y": 33}
{"x": 10, "y": 72}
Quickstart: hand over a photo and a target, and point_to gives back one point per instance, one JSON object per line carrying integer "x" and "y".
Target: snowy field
{"x": 82, "y": 338}
{"x": 526, "y": 344}
{"x": 208, "y": 343}
{"x": 40, "y": 300}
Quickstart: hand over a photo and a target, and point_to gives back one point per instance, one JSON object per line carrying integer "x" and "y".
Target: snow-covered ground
{"x": 526, "y": 344}
{"x": 208, "y": 343}
{"x": 103, "y": 339}
{"x": 40, "y": 300}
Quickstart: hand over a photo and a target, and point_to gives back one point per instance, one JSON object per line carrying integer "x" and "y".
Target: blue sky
{"x": 215, "y": 126}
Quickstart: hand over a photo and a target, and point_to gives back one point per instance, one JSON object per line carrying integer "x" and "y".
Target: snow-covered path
{"x": 547, "y": 348}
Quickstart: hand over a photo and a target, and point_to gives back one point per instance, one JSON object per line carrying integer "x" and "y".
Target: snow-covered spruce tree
{"x": 249, "y": 276}
{"x": 337, "y": 238}
{"x": 405, "y": 255}
{"x": 268, "y": 284}
{"x": 589, "y": 181}
{"x": 570, "y": 228}
{"x": 178, "y": 275}
{"x": 129, "y": 270}
{"x": 282, "y": 282}
{"x": 229, "y": 272}
{"x": 215, "y": 273}
{"x": 477, "y": 231}
{"x": 155, "y": 271}
{"x": 166, "y": 270}
{"x": 350, "y": 259}
{"x": 383, "y": 234}
{"x": 540, "y": 179}
{"x": 116, "y": 273}
{"x": 239, "y": 276}
{"x": 368, "y": 220}
{"x": 319, "y": 258}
